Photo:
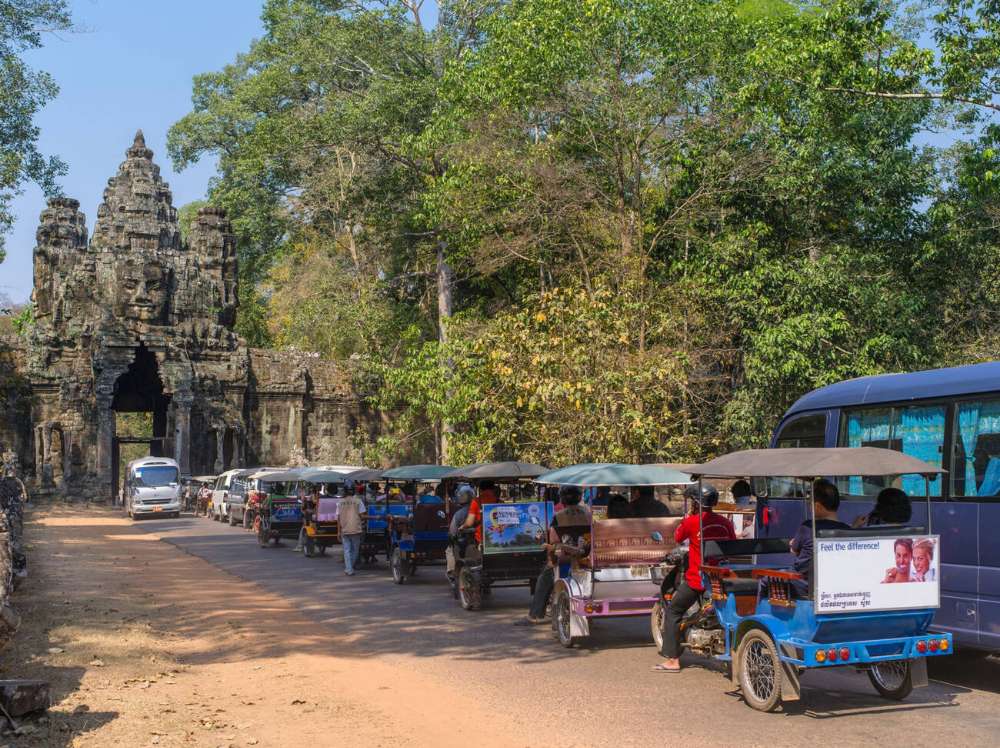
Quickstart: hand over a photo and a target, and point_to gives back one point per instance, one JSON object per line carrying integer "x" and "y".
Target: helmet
{"x": 570, "y": 492}
{"x": 464, "y": 494}
{"x": 348, "y": 487}
{"x": 704, "y": 494}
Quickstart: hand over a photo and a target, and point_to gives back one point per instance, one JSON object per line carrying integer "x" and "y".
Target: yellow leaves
{"x": 540, "y": 317}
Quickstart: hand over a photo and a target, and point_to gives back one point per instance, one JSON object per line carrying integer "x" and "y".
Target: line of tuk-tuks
{"x": 769, "y": 621}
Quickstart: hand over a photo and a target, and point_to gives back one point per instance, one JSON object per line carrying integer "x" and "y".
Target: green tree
{"x": 23, "y": 92}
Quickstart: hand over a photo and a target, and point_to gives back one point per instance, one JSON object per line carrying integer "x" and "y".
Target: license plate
{"x": 157, "y": 508}
{"x": 639, "y": 572}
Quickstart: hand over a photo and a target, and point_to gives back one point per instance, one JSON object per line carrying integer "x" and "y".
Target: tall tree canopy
{"x": 23, "y": 92}
{"x": 609, "y": 229}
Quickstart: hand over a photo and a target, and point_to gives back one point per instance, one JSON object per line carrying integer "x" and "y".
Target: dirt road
{"x": 141, "y": 649}
{"x": 185, "y": 633}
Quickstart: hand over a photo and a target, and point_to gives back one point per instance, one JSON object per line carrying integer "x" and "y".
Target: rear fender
{"x": 918, "y": 672}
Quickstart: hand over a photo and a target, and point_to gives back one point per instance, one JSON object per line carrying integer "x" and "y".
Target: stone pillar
{"x": 182, "y": 435}
{"x": 47, "y": 454}
{"x": 67, "y": 456}
{"x": 105, "y": 448}
{"x": 220, "y": 443}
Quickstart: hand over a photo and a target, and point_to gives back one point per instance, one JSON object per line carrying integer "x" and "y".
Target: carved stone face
{"x": 145, "y": 289}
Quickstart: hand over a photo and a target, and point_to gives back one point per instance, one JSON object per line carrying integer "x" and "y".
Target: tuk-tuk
{"x": 323, "y": 526}
{"x": 514, "y": 532}
{"x": 613, "y": 568}
{"x": 279, "y": 511}
{"x": 773, "y": 623}
{"x": 416, "y": 529}
{"x": 201, "y": 494}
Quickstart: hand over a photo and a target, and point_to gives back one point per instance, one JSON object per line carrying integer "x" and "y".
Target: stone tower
{"x": 135, "y": 319}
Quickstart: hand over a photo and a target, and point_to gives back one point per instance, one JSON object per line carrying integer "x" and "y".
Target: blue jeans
{"x": 352, "y": 550}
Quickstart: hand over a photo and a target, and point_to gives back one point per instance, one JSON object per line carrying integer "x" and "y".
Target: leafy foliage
{"x": 23, "y": 92}
{"x": 609, "y": 229}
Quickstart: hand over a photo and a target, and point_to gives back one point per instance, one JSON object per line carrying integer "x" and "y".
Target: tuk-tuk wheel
{"x": 656, "y": 624}
{"x": 469, "y": 591}
{"x": 892, "y": 679}
{"x": 760, "y": 671}
{"x": 396, "y": 565}
{"x": 562, "y": 619}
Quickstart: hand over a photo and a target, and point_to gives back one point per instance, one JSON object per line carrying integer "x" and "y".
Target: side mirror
{"x": 657, "y": 536}
{"x": 442, "y": 515}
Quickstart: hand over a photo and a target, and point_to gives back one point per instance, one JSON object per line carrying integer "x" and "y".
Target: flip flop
{"x": 661, "y": 668}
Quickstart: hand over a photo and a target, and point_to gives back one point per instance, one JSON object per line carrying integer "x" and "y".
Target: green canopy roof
{"x": 417, "y": 472}
{"x": 509, "y": 470}
{"x": 615, "y": 474}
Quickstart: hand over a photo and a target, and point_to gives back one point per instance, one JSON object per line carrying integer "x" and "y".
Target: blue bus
{"x": 947, "y": 417}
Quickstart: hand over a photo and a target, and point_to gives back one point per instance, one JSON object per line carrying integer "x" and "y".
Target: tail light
{"x": 845, "y": 653}
{"x": 933, "y": 645}
{"x": 831, "y": 655}
{"x": 944, "y": 645}
{"x": 820, "y": 655}
{"x": 922, "y": 646}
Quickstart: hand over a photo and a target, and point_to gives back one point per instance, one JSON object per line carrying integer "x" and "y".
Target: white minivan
{"x": 220, "y": 495}
{"x": 152, "y": 488}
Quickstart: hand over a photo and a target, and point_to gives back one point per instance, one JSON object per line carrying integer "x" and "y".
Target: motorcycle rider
{"x": 464, "y": 494}
{"x": 714, "y": 527}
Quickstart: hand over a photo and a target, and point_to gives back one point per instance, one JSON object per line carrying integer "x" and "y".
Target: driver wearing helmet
{"x": 464, "y": 495}
{"x": 702, "y": 521}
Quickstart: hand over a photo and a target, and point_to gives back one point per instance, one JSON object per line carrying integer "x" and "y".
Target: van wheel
{"x": 760, "y": 671}
{"x": 892, "y": 679}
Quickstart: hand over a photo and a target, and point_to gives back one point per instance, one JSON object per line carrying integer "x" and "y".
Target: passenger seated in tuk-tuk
{"x": 487, "y": 495}
{"x": 892, "y": 507}
{"x": 618, "y": 507}
{"x": 431, "y": 496}
{"x": 702, "y": 521}
{"x": 572, "y": 520}
{"x": 645, "y": 504}
{"x": 826, "y": 502}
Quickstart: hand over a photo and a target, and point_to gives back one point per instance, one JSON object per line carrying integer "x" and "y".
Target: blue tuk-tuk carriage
{"x": 279, "y": 512}
{"x": 773, "y": 624}
{"x": 416, "y": 527}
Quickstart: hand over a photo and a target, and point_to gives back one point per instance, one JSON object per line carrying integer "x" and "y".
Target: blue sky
{"x": 129, "y": 66}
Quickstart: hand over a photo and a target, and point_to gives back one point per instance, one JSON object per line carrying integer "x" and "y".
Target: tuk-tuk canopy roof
{"x": 599, "y": 474}
{"x": 279, "y": 476}
{"x": 323, "y": 476}
{"x": 509, "y": 470}
{"x": 204, "y": 478}
{"x": 417, "y": 472}
{"x": 365, "y": 474}
{"x": 813, "y": 463}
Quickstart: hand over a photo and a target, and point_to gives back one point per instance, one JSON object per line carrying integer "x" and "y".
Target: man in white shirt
{"x": 351, "y": 526}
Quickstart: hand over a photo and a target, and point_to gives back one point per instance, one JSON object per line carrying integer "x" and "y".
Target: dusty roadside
{"x": 141, "y": 649}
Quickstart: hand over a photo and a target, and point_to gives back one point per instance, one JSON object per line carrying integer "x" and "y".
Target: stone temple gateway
{"x": 136, "y": 319}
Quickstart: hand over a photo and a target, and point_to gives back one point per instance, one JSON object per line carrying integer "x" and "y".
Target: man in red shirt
{"x": 487, "y": 495}
{"x": 714, "y": 527}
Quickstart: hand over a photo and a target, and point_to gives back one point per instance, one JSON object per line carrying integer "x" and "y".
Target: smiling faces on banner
{"x": 914, "y": 561}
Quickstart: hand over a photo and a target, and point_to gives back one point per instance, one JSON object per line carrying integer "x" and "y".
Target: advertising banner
{"x": 520, "y": 527}
{"x": 882, "y": 573}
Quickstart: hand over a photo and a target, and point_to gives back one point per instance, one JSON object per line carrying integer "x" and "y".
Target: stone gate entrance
{"x": 136, "y": 319}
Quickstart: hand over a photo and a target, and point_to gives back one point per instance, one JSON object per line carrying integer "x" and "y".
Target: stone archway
{"x": 139, "y": 389}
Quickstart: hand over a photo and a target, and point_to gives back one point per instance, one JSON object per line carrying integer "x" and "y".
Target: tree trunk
{"x": 444, "y": 285}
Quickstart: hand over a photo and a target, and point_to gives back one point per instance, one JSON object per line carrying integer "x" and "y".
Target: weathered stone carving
{"x": 135, "y": 319}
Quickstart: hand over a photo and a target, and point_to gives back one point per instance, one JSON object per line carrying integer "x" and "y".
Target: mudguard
{"x": 578, "y": 625}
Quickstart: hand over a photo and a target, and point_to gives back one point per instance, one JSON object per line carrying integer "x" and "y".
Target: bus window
{"x": 976, "y": 465}
{"x": 807, "y": 431}
{"x": 917, "y": 431}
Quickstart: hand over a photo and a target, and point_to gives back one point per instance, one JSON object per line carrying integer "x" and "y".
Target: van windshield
{"x": 152, "y": 476}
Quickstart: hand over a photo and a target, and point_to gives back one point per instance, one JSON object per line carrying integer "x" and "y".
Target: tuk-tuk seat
{"x": 840, "y": 532}
{"x": 326, "y": 509}
{"x": 746, "y": 547}
{"x": 427, "y": 519}
{"x": 779, "y": 585}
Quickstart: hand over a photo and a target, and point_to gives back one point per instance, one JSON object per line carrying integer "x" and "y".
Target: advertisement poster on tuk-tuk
{"x": 889, "y": 573}
{"x": 519, "y": 527}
